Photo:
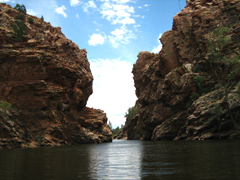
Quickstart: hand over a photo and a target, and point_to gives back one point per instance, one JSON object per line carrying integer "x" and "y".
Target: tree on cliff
{"x": 19, "y": 27}
{"x": 131, "y": 112}
{"x": 110, "y": 125}
{"x": 224, "y": 64}
{"x": 20, "y": 8}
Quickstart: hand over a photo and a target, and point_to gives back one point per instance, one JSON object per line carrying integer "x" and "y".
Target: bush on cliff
{"x": 115, "y": 131}
{"x": 20, "y": 8}
{"x": 42, "y": 18}
{"x": 130, "y": 114}
{"x": 225, "y": 64}
{"x": 4, "y": 106}
{"x": 30, "y": 20}
{"x": 20, "y": 29}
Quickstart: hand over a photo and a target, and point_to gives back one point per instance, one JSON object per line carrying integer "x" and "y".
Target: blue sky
{"x": 113, "y": 32}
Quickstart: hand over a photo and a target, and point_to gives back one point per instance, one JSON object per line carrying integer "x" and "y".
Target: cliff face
{"x": 47, "y": 80}
{"x": 164, "y": 82}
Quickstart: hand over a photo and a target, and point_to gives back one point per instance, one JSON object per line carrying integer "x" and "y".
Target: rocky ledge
{"x": 165, "y": 82}
{"x": 47, "y": 80}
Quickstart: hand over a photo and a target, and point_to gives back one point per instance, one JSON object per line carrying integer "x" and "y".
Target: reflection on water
{"x": 122, "y": 159}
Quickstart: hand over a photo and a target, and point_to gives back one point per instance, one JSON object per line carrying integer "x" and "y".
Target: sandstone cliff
{"x": 47, "y": 80}
{"x": 165, "y": 82}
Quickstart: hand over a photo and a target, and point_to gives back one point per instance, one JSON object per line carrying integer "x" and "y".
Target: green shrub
{"x": 130, "y": 114}
{"x": 189, "y": 103}
{"x": 116, "y": 131}
{"x": 197, "y": 69}
{"x": 198, "y": 80}
{"x": 110, "y": 125}
{"x": 30, "y": 20}
{"x": 224, "y": 64}
{"x": 230, "y": 7}
{"x": 21, "y": 16}
{"x": 42, "y": 58}
{"x": 194, "y": 96}
{"x": 20, "y": 29}
{"x": 42, "y": 18}
{"x": 20, "y": 8}
{"x": 4, "y": 106}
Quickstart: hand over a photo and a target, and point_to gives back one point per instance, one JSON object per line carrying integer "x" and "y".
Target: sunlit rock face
{"x": 47, "y": 79}
{"x": 164, "y": 81}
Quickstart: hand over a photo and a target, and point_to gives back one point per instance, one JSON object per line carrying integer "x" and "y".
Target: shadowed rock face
{"x": 47, "y": 79}
{"x": 164, "y": 81}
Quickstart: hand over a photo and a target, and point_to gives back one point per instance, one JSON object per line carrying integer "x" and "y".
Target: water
{"x": 123, "y": 159}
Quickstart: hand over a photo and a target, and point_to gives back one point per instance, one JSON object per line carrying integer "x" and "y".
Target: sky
{"x": 113, "y": 33}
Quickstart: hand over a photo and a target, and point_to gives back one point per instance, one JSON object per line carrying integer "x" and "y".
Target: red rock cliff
{"x": 164, "y": 81}
{"x": 47, "y": 80}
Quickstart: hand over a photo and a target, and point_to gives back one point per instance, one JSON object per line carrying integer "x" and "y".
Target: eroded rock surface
{"x": 47, "y": 79}
{"x": 164, "y": 81}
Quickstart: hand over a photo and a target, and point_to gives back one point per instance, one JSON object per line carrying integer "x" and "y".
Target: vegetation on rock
{"x": 115, "y": 131}
{"x": 4, "y": 106}
{"x": 30, "y": 20}
{"x": 131, "y": 112}
{"x": 224, "y": 64}
{"x": 20, "y": 27}
{"x": 42, "y": 18}
{"x": 20, "y": 8}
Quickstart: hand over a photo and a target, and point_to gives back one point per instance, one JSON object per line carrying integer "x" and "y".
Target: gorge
{"x": 45, "y": 82}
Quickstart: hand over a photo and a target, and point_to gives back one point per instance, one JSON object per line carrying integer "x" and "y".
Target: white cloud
{"x": 121, "y": 35}
{"x": 146, "y": 5}
{"x": 159, "y": 47}
{"x": 159, "y": 36}
{"x": 60, "y": 10}
{"x": 127, "y": 20}
{"x": 96, "y": 39}
{"x": 74, "y": 2}
{"x": 89, "y": 4}
{"x": 31, "y": 12}
{"x": 77, "y": 15}
{"x": 5, "y": 1}
{"x": 117, "y": 12}
{"x": 121, "y": 1}
{"x": 113, "y": 88}
{"x": 136, "y": 16}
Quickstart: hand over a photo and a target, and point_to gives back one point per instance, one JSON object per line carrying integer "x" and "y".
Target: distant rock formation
{"x": 164, "y": 82}
{"x": 47, "y": 80}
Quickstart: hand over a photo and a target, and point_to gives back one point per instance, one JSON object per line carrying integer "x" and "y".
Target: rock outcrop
{"x": 165, "y": 82}
{"x": 47, "y": 80}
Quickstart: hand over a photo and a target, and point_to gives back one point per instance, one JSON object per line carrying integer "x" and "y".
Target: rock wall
{"x": 47, "y": 80}
{"x": 164, "y": 81}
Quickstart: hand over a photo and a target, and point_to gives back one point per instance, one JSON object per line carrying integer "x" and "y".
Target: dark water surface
{"x": 123, "y": 159}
